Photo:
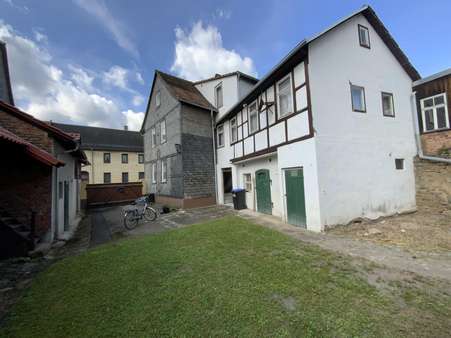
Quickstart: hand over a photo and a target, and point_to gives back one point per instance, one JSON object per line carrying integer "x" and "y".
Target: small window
{"x": 434, "y": 111}
{"x": 399, "y": 163}
{"x": 106, "y": 177}
{"x": 364, "y": 36}
{"x": 271, "y": 115}
{"x": 284, "y": 96}
{"x": 164, "y": 168}
{"x": 158, "y": 99}
{"x": 162, "y": 131}
{"x": 233, "y": 130}
{"x": 248, "y": 182}
{"x": 141, "y": 175}
{"x": 124, "y": 177}
{"x": 253, "y": 118}
{"x": 153, "y": 137}
{"x": 220, "y": 136}
{"x": 140, "y": 158}
{"x": 124, "y": 158}
{"x": 106, "y": 157}
{"x": 154, "y": 173}
{"x": 388, "y": 106}
{"x": 218, "y": 96}
{"x": 358, "y": 99}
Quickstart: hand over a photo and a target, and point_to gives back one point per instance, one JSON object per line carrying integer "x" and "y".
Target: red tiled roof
{"x": 68, "y": 141}
{"x": 30, "y": 149}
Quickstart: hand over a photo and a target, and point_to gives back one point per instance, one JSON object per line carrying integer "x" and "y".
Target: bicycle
{"x": 133, "y": 216}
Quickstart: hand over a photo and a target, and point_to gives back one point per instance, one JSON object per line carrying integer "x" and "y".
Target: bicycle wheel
{"x": 130, "y": 219}
{"x": 150, "y": 214}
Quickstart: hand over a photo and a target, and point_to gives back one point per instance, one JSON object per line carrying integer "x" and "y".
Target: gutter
{"x": 417, "y": 134}
{"x": 214, "y": 153}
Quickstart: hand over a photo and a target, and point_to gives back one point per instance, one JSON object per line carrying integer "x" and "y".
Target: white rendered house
{"x": 327, "y": 136}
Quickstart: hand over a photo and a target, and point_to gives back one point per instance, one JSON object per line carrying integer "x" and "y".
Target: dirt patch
{"x": 425, "y": 230}
{"x": 288, "y": 303}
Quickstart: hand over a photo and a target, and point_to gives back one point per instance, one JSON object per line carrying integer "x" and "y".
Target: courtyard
{"x": 225, "y": 276}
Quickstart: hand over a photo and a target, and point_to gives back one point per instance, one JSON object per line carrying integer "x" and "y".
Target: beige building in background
{"x": 114, "y": 155}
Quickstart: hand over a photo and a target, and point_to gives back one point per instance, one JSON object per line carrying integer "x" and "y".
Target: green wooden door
{"x": 263, "y": 189}
{"x": 294, "y": 185}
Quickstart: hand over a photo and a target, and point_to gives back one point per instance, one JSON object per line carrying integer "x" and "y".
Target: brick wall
{"x": 26, "y": 131}
{"x": 433, "y": 184}
{"x": 436, "y": 143}
{"x": 103, "y": 194}
{"x": 26, "y": 184}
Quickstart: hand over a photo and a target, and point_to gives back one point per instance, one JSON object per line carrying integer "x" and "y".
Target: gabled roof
{"x": 66, "y": 140}
{"x": 432, "y": 77}
{"x": 5, "y": 69}
{"x": 30, "y": 149}
{"x": 185, "y": 91}
{"x": 105, "y": 138}
{"x": 301, "y": 49}
{"x": 182, "y": 90}
{"x": 221, "y": 76}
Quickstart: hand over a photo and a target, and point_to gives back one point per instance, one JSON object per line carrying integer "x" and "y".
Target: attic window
{"x": 218, "y": 96}
{"x": 157, "y": 99}
{"x": 364, "y": 36}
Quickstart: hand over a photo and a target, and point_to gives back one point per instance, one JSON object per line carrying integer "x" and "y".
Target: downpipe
{"x": 214, "y": 153}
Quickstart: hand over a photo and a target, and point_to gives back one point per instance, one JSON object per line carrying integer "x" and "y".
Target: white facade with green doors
{"x": 318, "y": 129}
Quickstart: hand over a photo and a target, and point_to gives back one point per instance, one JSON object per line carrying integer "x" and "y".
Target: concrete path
{"x": 424, "y": 264}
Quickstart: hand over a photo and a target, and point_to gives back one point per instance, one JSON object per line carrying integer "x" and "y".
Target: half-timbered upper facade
{"x": 327, "y": 136}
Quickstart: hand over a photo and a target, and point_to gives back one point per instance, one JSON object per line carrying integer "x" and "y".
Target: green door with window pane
{"x": 294, "y": 185}
{"x": 263, "y": 189}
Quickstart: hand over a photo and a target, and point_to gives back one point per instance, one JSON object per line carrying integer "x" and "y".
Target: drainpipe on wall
{"x": 417, "y": 134}
{"x": 214, "y": 153}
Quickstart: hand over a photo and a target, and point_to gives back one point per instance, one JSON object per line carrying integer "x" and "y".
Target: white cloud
{"x": 20, "y": 8}
{"x": 114, "y": 26}
{"x": 40, "y": 37}
{"x": 222, "y": 14}
{"x": 116, "y": 76}
{"x": 139, "y": 78}
{"x": 200, "y": 54}
{"x": 134, "y": 119}
{"x": 137, "y": 100}
{"x": 46, "y": 91}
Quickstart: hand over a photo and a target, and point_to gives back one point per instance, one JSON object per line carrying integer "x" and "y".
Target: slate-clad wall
{"x": 169, "y": 110}
{"x": 197, "y": 151}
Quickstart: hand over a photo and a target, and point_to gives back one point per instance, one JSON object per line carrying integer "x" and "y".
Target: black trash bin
{"x": 239, "y": 198}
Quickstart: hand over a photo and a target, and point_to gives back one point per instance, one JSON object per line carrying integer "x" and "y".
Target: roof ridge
{"x": 84, "y": 126}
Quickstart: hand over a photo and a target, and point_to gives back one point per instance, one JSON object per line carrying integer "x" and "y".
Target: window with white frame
{"x": 364, "y": 36}
{"x": 253, "y": 118}
{"x": 358, "y": 99}
{"x": 220, "y": 136}
{"x": 434, "y": 112}
{"x": 388, "y": 106}
{"x": 218, "y": 96}
{"x": 233, "y": 130}
{"x": 248, "y": 182}
{"x": 158, "y": 99}
{"x": 153, "y": 137}
{"x": 154, "y": 173}
{"x": 162, "y": 131}
{"x": 164, "y": 171}
{"x": 285, "y": 96}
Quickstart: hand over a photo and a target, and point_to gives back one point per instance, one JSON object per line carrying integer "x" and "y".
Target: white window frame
{"x": 247, "y": 183}
{"x": 366, "y": 31}
{"x": 158, "y": 99}
{"x": 164, "y": 171}
{"x": 233, "y": 127}
{"x": 251, "y": 112}
{"x": 363, "y": 97}
{"x": 392, "y": 113}
{"x": 434, "y": 112}
{"x": 220, "y": 131}
{"x": 217, "y": 103}
{"x": 153, "y": 137}
{"x": 163, "y": 137}
{"x": 290, "y": 87}
{"x": 154, "y": 173}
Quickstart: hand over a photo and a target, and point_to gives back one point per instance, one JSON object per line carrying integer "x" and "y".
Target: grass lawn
{"x": 223, "y": 278}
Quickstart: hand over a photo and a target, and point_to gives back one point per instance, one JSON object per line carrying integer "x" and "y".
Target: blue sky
{"x": 92, "y": 61}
